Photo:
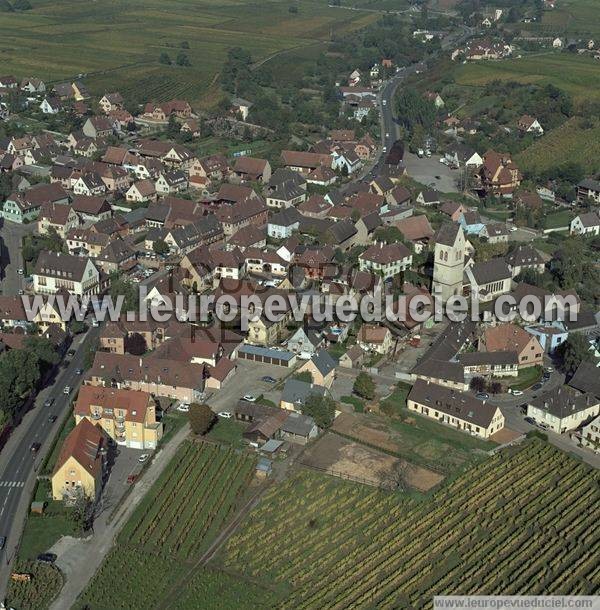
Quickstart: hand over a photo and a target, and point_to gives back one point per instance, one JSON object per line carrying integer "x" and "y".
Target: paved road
{"x": 19, "y": 466}
{"x": 11, "y": 255}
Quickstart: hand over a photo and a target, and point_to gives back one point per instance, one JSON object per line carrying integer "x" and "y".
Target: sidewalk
{"x": 80, "y": 559}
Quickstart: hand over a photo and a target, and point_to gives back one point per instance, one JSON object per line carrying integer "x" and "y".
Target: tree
{"x": 135, "y": 344}
{"x": 165, "y": 59}
{"x": 575, "y": 350}
{"x": 413, "y": 109}
{"x": 495, "y": 387}
{"x": 160, "y": 247}
{"x": 201, "y": 418}
{"x": 182, "y": 59}
{"x": 304, "y": 376}
{"x": 364, "y": 386}
{"x": 122, "y": 286}
{"x": 321, "y": 409}
{"x": 477, "y": 384}
{"x": 77, "y": 327}
{"x": 43, "y": 350}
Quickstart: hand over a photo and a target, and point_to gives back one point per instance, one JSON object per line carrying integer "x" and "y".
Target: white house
{"x": 585, "y": 224}
{"x": 386, "y": 259}
{"x": 56, "y": 271}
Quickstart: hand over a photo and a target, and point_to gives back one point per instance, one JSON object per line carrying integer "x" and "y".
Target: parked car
{"x": 537, "y": 386}
{"x": 249, "y": 398}
{"x": 515, "y": 392}
{"x": 52, "y": 419}
{"x": 35, "y": 447}
{"x": 48, "y": 402}
{"x": 79, "y": 372}
{"x": 269, "y": 379}
{"x": 47, "y": 557}
{"x": 225, "y": 414}
{"x": 482, "y": 395}
{"x": 71, "y": 353}
{"x": 20, "y": 271}
{"x": 143, "y": 457}
{"x": 67, "y": 389}
{"x": 549, "y": 369}
{"x": 530, "y": 420}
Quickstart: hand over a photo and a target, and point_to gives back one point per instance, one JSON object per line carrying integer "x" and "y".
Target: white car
{"x": 20, "y": 272}
{"x": 387, "y": 135}
{"x": 143, "y": 458}
{"x": 67, "y": 389}
{"x": 184, "y": 407}
{"x": 304, "y": 356}
{"x": 512, "y": 229}
{"x": 385, "y": 102}
{"x": 249, "y": 398}
{"x": 225, "y": 414}
{"x": 515, "y": 392}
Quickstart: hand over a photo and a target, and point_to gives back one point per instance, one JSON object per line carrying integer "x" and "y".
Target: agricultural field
{"x": 570, "y": 142}
{"x": 36, "y": 594}
{"x": 341, "y": 545}
{"x": 167, "y": 534}
{"x": 570, "y": 17}
{"x": 577, "y": 75}
{"x": 117, "y": 43}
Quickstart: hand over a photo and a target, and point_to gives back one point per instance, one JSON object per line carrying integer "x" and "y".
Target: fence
{"x": 349, "y": 477}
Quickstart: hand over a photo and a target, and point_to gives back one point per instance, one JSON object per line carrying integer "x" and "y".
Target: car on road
{"x": 95, "y": 323}
{"x": 549, "y": 369}
{"x": 21, "y": 292}
{"x": 225, "y": 414}
{"x": 384, "y": 149}
{"x": 515, "y": 392}
{"x": 184, "y": 407}
{"x": 2, "y": 542}
{"x": 47, "y": 557}
{"x": 420, "y": 153}
{"x": 530, "y": 420}
{"x": 537, "y": 386}
{"x": 387, "y": 135}
{"x": 48, "y": 402}
{"x": 512, "y": 229}
{"x": 52, "y": 419}
{"x": 249, "y": 398}
{"x": 482, "y": 396}
{"x": 71, "y": 353}
{"x": 67, "y": 389}
{"x": 268, "y": 379}
{"x": 35, "y": 447}
{"x": 20, "y": 271}
{"x": 79, "y": 371}
{"x": 143, "y": 457}
{"x": 384, "y": 102}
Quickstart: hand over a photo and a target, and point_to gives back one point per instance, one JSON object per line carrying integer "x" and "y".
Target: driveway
{"x": 431, "y": 172}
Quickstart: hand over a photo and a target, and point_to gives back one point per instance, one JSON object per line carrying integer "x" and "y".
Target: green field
{"x": 117, "y": 43}
{"x": 157, "y": 552}
{"x": 346, "y": 546}
{"x": 570, "y": 142}
{"x": 579, "y": 76}
{"x": 572, "y": 17}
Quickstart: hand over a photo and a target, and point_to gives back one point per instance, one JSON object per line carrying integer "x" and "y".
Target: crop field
{"x": 534, "y": 510}
{"x": 579, "y": 76}
{"x": 166, "y": 535}
{"x": 572, "y": 17}
{"x": 570, "y": 142}
{"x": 117, "y": 43}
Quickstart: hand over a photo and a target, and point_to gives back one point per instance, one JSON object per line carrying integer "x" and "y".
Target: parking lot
{"x": 248, "y": 380}
{"x": 431, "y": 172}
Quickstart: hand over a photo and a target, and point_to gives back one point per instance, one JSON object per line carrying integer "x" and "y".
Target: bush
{"x": 201, "y": 418}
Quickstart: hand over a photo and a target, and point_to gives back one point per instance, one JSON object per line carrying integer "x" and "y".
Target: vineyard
{"x": 46, "y": 581}
{"x": 190, "y": 502}
{"x": 524, "y": 521}
{"x": 170, "y": 529}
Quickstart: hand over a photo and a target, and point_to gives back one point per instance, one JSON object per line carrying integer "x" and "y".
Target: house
{"x": 590, "y": 435}
{"x": 353, "y": 358}
{"x": 346, "y": 161}
{"x": 461, "y": 155}
{"x": 90, "y": 184}
{"x": 428, "y": 197}
{"x": 563, "y": 409}
{"x": 471, "y": 223}
{"x": 304, "y": 341}
{"x": 241, "y": 106}
{"x": 374, "y": 338}
{"x": 398, "y": 196}
{"x": 524, "y": 257}
{"x": 458, "y": 409}
{"x": 91, "y": 209}
{"x": 170, "y": 182}
{"x": 58, "y": 217}
{"x": 33, "y": 85}
{"x": 128, "y": 417}
{"x": 191, "y": 127}
{"x": 557, "y": 43}
{"x": 99, "y": 127}
{"x": 56, "y": 271}
{"x": 298, "y": 428}
{"x": 529, "y": 124}
{"x": 386, "y": 259}
{"x": 286, "y": 195}
{"x": 587, "y": 223}
{"x": 454, "y": 210}
{"x": 13, "y": 314}
{"x": 51, "y": 105}
{"x": 81, "y": 464}
{"x": 322, "y": 368}
{"x": 316, "y": 206}
{"x": 111, "y": 101}
{"x": 141, "y": 192}
{"x": 442, "y": 372}
{"x": 512, "y": 338}
{"x": 588, "y": 189}
{"x": 322, "y": 176}
{"x": 304, "y": 162}
{"x": 251, "y": 211}
{"x": 284, "y": 223}
{"x": 551, "y": 335}
{"x": 494, "y": 233}
{"x": 25, "y": 206}
{"x": 498, "y": 175}
{"x": 490, "y": 364}
{"x": 250, "y": 169}
{"x": 296, "y": 393}
{"x": 435, "y": 98}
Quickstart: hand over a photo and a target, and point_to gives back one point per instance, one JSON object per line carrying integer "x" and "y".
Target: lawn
{"x": 172, "y": 423}
{"x": 579, "y": 76}
{"x": 527, "y": 377}
{"x": 116, "y": 44}
{"x": 558, "y": 219}
{"x": 227, "y": 431}
{"x": 50, "y": 462}
{"x": 357, "y": 403}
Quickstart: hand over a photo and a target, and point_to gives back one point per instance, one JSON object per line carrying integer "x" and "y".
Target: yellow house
{"x": 127, "y": 416}
{"x": 268, "y": 332}
{"x": 80, "y": 465}
{"x": 322, "y": 368}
